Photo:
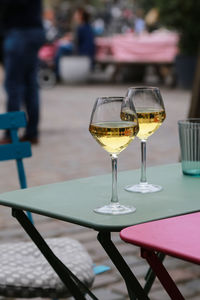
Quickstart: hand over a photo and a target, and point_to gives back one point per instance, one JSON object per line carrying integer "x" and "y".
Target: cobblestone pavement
{"x": 67, "y": 151}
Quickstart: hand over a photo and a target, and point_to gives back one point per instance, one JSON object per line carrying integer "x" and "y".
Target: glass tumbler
{"x": 189, "y": 137}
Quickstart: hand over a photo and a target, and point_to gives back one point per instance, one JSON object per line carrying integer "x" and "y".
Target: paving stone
{"x": 98, "y": 254}
{"x": 140, "y": 270}
{"x": 159, "y": 295}
{"x": 105, "y": 280}
{"x": 182, "y": 275}
{"x": 104, "y": 294}
{"x": 171, "y": 263}
{"x": 190, "y": 288}
{"x": 85, "y": 236}
{"x": 156, "y": 285}
{"x": 133, "y": 260}
{"x": 195, "y": 269}
{"x": 195, "y": 297}
{"x": 126, "y": 248}
{"x": 120, "y": 288}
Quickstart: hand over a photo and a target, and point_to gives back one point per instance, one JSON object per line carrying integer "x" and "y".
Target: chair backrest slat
{"x": 12, "y": 120}
{"x": 15, "y": 151}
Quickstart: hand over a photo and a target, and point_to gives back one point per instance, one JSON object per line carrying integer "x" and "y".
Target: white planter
{"x": 74, "y": 69}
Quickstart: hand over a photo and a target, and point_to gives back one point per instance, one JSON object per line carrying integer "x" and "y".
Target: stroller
{"x": 46, "y": 74}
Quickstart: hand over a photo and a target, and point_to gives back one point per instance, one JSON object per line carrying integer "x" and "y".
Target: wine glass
{"x": 114, "y": 125}
{"x": 151, "y": 113}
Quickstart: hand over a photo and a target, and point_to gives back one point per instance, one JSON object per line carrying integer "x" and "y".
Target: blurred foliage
{"x": 146, "y": 5}
{"x": 53, "y": 3}
{"x": 183, "y": 16}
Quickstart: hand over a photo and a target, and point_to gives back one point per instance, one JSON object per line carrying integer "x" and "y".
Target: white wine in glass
{"x": 151, "y": 114}
{"x": 150, "y": 119}
{"x": 114, "y": 134}
{"x": 114, "y": 137}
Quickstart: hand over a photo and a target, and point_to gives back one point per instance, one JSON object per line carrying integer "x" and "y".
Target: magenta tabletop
{"x": 177, "y": 236}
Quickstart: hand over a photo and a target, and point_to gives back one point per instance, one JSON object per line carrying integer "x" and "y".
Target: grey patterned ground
{"x": 67, "y": 151}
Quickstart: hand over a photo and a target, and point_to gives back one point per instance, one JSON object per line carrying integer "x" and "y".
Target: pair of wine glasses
{"x": 115, "y": 121}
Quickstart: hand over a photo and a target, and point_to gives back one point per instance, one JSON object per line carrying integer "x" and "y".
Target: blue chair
{"x": 24, "y": 272}
{"x": 15, "y": 150}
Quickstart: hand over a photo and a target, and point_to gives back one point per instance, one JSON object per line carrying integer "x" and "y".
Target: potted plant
{"x": 183, "y": 16}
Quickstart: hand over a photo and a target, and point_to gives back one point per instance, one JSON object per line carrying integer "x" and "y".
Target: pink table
{"x": 157, "y": 47}
{"x": 177, "y": 236}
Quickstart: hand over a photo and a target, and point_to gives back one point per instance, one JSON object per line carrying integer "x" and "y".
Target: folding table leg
{"x": 75, "y": 286}
{"x": 162, "y": 274}
{"x": 151, "y": 276}
{"x": 134, "y": 288}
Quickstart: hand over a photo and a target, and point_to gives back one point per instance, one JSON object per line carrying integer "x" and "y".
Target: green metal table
{"x": 74, "y": 201}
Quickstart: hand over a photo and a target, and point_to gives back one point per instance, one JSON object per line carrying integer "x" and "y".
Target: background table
{"x": 74, "y": 201}
{"x": 159, "y": 46}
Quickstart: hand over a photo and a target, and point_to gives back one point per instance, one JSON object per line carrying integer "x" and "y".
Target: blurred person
{"x": 139, "y": 23}
{"x": 63, "y": 13}
{"x": 1, "y": 37}
{"x": 1, "y": 47}
{"x": 84, "y": 35}
{"x": 23, "y": 36}
{"x": 99, "y": 26}
{"x": 51, "y": 32}
{"x": 152, "y": 19}
{"x": 82, "y": 43}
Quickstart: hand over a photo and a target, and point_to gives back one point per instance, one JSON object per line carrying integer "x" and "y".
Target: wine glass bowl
{"x": 149, "y": 121}
{"x": 151, "y": 114}
{"x": 114, "y": 125}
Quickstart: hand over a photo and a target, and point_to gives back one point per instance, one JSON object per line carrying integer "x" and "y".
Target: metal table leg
{"x": 162, "y": 274}
{"x": 151, "y": 276}
{"x": 74, "y": 285}
{"x": 134, "y": 288}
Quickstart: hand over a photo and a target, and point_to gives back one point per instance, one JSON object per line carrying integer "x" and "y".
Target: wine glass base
{"x": 115, "y": 209}
{"x": 143, "y": 188}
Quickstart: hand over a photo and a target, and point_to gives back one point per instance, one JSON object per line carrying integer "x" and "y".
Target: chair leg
{"x": 75, "y": 286}
{"x": 162, "y": 274}
{"x": 151, "y": 276}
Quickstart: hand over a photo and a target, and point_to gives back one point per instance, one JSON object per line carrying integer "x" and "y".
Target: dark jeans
{"x": 21, "y": 63}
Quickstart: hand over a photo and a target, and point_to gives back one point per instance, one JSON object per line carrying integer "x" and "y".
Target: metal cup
{"x": 189, "y": 137}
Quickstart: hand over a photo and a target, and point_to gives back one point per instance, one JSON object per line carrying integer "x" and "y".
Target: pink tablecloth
{"x": 160, "y": 46}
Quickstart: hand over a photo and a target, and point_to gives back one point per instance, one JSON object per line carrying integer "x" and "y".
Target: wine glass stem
{"x": 143, "y": 178}
{"x": 114, "y": 198}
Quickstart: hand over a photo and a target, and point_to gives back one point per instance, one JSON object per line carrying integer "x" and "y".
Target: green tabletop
{"x": 73, "y": 201}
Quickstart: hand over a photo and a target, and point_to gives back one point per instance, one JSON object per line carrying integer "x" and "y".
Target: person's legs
{"x": 14, "y": 70}
{"x": 34, "y": 40}
{"x": 13, "y": 49}
{"x": 31, "y": 99}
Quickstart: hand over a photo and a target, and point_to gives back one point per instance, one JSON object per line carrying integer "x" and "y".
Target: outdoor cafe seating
{"x": 154, "y": 226}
